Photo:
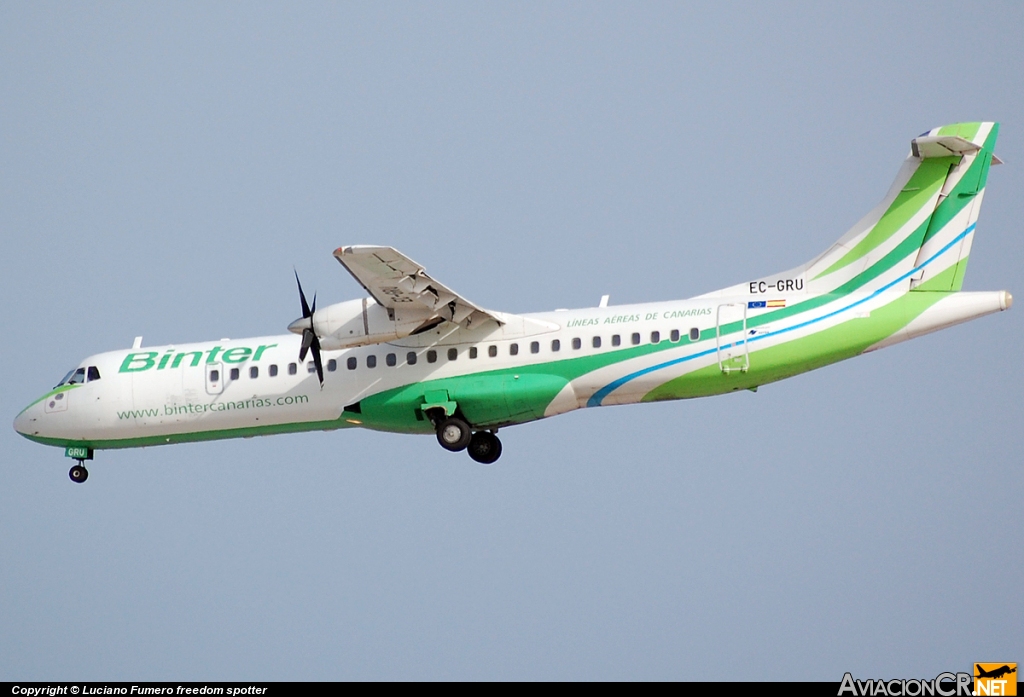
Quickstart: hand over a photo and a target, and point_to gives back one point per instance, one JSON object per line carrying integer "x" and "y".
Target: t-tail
{"x": 920, "y": 235}
{"x": 917, "y": 240}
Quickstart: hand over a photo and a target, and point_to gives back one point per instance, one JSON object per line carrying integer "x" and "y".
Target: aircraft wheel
{"x": 78, "y": 474}
{"x": 453, "y": 434}
{"x": 484, "y": 447}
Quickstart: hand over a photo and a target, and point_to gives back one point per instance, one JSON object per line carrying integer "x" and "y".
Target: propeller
{"x": 309, "y": 338}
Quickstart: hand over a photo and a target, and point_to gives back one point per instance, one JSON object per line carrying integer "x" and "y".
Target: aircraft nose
{"x": 23, "y": 421}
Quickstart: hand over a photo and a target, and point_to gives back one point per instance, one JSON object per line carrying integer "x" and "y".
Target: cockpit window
{"x": 94, "y": 373}
{"x": 77, "y": 377}
{"x": 64, "y": 380}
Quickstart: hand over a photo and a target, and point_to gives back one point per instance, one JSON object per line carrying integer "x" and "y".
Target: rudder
{"x": 947, "y": 243}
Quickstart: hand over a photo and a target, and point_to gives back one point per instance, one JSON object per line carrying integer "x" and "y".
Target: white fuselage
{"x": 229, "y": 386}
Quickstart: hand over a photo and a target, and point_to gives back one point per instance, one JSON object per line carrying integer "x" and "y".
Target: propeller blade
{"x": 302, "y": 297}
{"x": 308, "y": 337}
{"x": 317, "y": 360}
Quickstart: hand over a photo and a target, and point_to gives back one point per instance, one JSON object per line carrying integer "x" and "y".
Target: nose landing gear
{"x": 78, "y": 473}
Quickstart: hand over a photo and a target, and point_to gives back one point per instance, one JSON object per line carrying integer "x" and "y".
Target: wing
{"x": 398, "y": 283}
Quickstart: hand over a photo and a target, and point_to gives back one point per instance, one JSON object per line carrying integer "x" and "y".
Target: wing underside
{"x": 398, "y": 283}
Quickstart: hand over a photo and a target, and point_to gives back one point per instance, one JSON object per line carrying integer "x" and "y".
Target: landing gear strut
{"x": 484, "y": 447}
{"x": 78, "y": 473}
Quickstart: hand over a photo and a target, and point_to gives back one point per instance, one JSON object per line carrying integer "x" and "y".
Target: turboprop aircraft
{"x": 417, "y": 357}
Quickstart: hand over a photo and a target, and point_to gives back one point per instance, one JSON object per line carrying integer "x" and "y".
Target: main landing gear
{"x": 78, "y": 473}
{"x": 484, "y": 447}
{"x": 454, "y": 434}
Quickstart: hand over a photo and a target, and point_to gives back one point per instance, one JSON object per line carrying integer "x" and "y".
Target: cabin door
{"x": 731, "y": 338}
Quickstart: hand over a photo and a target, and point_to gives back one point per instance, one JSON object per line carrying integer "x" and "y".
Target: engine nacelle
{"x": 364, "y": 322}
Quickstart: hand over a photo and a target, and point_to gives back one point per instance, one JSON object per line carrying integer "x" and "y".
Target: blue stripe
{"x": 598, "y": 397}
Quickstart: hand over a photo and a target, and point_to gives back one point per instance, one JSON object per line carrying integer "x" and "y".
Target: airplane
{"x": 995, "y": 673}
{"x": 416, "y": 357}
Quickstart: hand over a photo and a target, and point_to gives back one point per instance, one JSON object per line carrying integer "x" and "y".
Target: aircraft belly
{"x": 485, "y": 400}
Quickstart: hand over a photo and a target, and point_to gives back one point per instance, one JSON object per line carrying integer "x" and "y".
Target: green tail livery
{"x": 417, "y": 357}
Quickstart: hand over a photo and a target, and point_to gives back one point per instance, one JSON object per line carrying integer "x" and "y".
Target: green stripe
{"x": 807, "y": 353}
{"x": 958, "y": 274}
{"x": 960, "y": 196}
{"x": 908, "y": 246}
{"x": 923, "y": 185}
{"x": 55, "y": 390}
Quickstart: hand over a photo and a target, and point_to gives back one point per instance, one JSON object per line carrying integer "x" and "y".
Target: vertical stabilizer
{"x": 919, "y": 236}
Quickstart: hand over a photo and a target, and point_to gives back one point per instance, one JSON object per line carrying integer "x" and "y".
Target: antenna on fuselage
{"x": 137, "y": 344}
{"x": 604, "y": 301}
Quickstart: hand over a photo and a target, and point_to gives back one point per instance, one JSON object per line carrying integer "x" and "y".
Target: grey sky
{"x": 162, "y": 167}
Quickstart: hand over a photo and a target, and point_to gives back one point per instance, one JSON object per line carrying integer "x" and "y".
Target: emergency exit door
{"x": 214, "y": 378}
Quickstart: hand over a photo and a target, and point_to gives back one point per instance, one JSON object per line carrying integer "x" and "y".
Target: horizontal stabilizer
{"x": 941, "y": 146}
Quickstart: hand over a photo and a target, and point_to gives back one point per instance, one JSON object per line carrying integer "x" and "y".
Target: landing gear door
{"x": 214, "y": 378}
{"x": 731, "y": 338}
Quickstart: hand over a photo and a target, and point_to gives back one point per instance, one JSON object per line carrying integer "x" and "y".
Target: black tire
{"x": 485, "y": 447}
{"x": 453, "y": 434}
{"x": 78, "y": 474}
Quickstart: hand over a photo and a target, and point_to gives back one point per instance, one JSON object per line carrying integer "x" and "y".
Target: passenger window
{"x": 391, "y": 359}
{"x": 576, "y": 343}
{"x": 472, "y": 351}
{"x": 254, "y": 372}
{"x": 534, "y": 347}
{"x": 234, "y": 373}
{"x": 273, "y": 370}
{"x": 655, "y": 337}
{"x": 411, "y": 357}
{"x": 371, "y": 361}
{"x": 492, "y": 351}
{"x": 513, "y": 349}
{"x": 214, "y": 376}
{"x": 694, "y": 334}
{"x": 674, "y": 336}
{"x": 431, "y": 356}
{"x": 78, "y": 377}
{"x": 556, "y": 345}
{"x": 596, "y": 342}
{"x": 352, "y": 363}
{"x": 453, "y": 354}
{"x": 616, "y": 340}
{"x": 94, "y": 373}
{"x": 310, "y": 367}
{"x": 292, "y": 369}
{"x": 635, "y": 338}
{"x": 332, "y": 365}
